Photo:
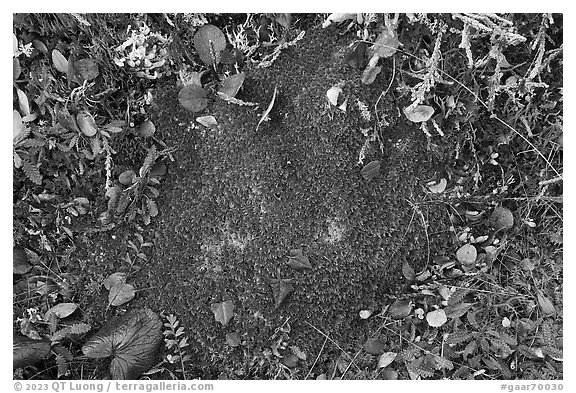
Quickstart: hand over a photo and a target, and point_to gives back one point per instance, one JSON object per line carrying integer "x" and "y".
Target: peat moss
{"x": 238, "y": 200}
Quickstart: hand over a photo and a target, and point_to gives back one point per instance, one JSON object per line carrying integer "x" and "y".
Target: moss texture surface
{"x": 237, "y": 200}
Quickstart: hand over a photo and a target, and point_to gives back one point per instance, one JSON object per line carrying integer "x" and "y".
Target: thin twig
{"x": 333, "y": 342}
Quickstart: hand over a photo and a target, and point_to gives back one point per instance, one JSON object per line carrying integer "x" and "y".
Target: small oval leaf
{"x": 86, "y": 69}
{"x": 467, "y": 254}
{"x": 207, "y": 121}
{"x": 87, "y": 124}
{"x": 400, "y": 309}
{"x": 419, "y": 114}
{"x": 59, "y": 61}
{"x": 120, "y": 293}
{"x": 232, "y": 84}
{"x": 370, "y": 170}
{"x": 147, "y": 129}
{"x": 386, "y": 359}
{"x": 209, "y": 41}
{"x": 436, "y": 318}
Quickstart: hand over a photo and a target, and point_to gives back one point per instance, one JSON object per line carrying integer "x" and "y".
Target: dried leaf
{"x": 207, "y": 121}
{"x": 232, "y": 84}
{"x": 20, "y": 261}
{"x": 386, "y": 359}
{"x": 132, "y": 341}
{"x": 365, "y": 314}
{"x": 59, "y": 61}
{"x": 408, "y": 271}
{"x": 370, "y": 73}
{"x": 467, "y": 254}
{"x": 298, "y": 261}
{"x": 209, "y": 41}
{"x": 370, "y": 170}
{"x": 85, "y": 70}
{"x": 113, "y": 279}
{"x": 400, "y": 309}
{"x": 419, "y": 114}
{"x": 232, "y": 339}
{"x": 436, "y": 318}
{"x": 386, "y": 44}
{"x": 120, "y": 293}
{"x": 337, "y": 18}
{"x": 223, "y": 312}
{"x": 333, "y": 93}
{"x": 265, "y": 115}
{"x": 437, "y": 188}
{"x": 61, "y": 310}
{"x": 545, "y": 304}
{"x": 193, "y": 98}
{"x": 281, "y": 288}
{"x": 374, "y": 346}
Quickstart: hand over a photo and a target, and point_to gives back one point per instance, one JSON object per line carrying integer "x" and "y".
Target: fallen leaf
{"x": 386, "y": 359}
{"x": 61, "y": 310}
{"x": 20, "y": 261}
{"x": 467, "y": 254}
{"x": 127, "y": 177}
{"x": 436, "y": 318}
{"x": 132, "y": 341}
{"x": 120, "y": 293}
{"x": 298, "y": 352}
{"x": 209, "y": 41}
{"x": 545, "y": 304}
{"x": 223, "y": 312}
{"x": 400, "y": 309}
{"x": 439, "y": 187}
{"x": 114, "y": 278}
{"x": 386, "y": 44}
{"x": 86, "y": 123}
{"x": 207, "y": 121}
{"x": 232, "y": 84}
{"x": 86, "y": 70}
{"x": 374, "y": 346}
{"x": 333, "y": 93}
{"x": 501, "y": 218}
{"x": 389, "y": 374}
{"x": 147, "y": 129}
{"x": 281, "y": 288}
{"x": 59, "y": 61}
{"x": 370, "y": 73}
{"x": 232, "y": 339}
{"x": 370, "y": 170}
{"x": 290, "y": 360}
{"x": 265, "y": 115}
{"x": 23, "y": 102}
{"x": 408, "y": 271}
{"x": 298, "y": 261}
{"x": 193, "y": 98}
{"x": 365, "y": 314}
{"x": 419, "y": 114}
{"x": 337, "y": 18}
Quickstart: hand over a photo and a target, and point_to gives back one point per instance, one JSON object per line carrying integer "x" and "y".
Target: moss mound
{"x": 238, "y": 200}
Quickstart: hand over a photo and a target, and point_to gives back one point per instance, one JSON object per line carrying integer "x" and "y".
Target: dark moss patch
{"x": 238, "y": 200}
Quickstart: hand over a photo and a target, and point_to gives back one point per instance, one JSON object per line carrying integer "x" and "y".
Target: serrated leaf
{"x": 386, "y": 359}
{"x": 281, "y": 288}
{"x": 436, "y": 318}
{"x": 374, "y": 346}
{"x": 232, "y": 84}
{"x": 132, "y": 341}
{"x": 501, "y": 218}
{"x": 32, "y": 172}
{"x": 120, "y": 293}
{"x": 209, "y": 41}
{"x": 152, "y": 208}
{"x": 60, "y": 62}
{"x": 113, "y": 279}
{"x": 298, "y": 261}
{"x": 223, "y": 312}
{"x": 457, "y": 310}
{"x": 467, "y": 254}
{"x": 193, "y": 98}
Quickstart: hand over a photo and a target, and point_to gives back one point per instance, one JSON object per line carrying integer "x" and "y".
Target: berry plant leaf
{"x": 223, "y": 312}
{"x": 120, "y": 293}
{"x": 209, "y": 41}
{"x": 232, "y": 84}
{"x": 298, "y": 261}
{"x": 281, "y": 288}
{"x": 132, "y": 341}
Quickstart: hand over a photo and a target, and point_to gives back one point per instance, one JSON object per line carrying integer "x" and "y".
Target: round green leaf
{"x": 193, "y": 98}
{"x": 120, "y": 293}
{"x": 467, "y": 254}
{"x": 436, "y": 318}
{"x": 209, "y": 41}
